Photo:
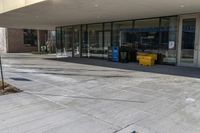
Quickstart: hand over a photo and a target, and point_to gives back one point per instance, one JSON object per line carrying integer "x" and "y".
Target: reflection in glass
{"x": 168, "y": 31}
{"x": 67, "y": 37}
{"x": 188, "y": 40}
{"x": 58, "y": 40}
{"x": 107, "y": 38}
{"x": 146, "y": 35}
{"x": 118, "y": 28}
{"x": 85, "y": 47}
{"x": 76, "y": 41}
{"x": 149, "y": 35}
{"x": 95, "y": 38}
{"x": 30, "y": 38}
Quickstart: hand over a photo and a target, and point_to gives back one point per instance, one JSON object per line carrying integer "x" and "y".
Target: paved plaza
{"x": 97, "y": 96}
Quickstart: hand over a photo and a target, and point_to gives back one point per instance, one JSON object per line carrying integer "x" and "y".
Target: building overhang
{"x": 48, "y": 14}
{"x": 8, "y": 5}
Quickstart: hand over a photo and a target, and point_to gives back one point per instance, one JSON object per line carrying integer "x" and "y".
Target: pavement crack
{"x": 89, "y": 98}
{"x": 64, "y": 106}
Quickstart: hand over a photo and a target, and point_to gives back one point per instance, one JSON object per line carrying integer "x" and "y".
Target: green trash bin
{"x": 124, "y": 56}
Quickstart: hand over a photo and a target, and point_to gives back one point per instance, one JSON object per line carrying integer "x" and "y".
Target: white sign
{"x": 171, "y": 44}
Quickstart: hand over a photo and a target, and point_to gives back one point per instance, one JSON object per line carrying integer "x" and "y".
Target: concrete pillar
{"x": 3, "y": 40}
{"x": 38, "y": 40}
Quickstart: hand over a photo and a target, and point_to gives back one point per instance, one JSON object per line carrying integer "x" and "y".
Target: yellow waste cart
{"x": 147, "y": 59}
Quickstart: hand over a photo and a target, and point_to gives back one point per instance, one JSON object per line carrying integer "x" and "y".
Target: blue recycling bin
{"x": 115, "y": 54}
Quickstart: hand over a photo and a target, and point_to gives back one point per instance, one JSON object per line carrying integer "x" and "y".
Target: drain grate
{"x": 20, "y": 79}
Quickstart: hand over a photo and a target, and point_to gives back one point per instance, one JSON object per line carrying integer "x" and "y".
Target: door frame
{"x": 197, "y": 40}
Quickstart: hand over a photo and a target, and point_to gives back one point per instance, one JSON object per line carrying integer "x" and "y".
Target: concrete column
{"x": 3, "y": 40}
{"x": 38, "y": 40}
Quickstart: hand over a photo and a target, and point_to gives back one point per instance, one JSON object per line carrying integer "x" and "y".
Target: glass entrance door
{"x": 76, "y": 41}
{"x": 67, "y": 35}
{"x": 107, "y": 43}
{"x": 188, "y": 41}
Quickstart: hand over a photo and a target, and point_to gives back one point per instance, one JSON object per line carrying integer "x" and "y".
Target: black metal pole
{"x": 2, "y": 78}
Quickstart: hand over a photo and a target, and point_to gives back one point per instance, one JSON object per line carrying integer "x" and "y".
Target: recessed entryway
{"x": 188, "y": 40}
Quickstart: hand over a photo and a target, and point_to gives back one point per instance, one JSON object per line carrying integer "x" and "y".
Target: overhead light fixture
{"x": 96, "y": 5}
{"x": 182, "y": 6}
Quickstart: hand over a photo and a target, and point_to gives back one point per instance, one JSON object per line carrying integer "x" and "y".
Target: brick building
{"x": 22, "y": 40}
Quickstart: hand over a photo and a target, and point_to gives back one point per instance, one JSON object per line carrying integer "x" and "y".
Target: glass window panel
{"x": 84, "y": 46}
{"x": 118, "y": 28}
{"x": 67, "y": 36}
{"x": 58, "y": 40}
{"x": 188, "y": 40}
{"x": 147, "y": 23}
{"x": 76, "y": 40}
{"x": 107, "y": 26}
{"x": 146, "y": 35}
{"x": 30, "y": 38}
{"x": 107, "y": 38}
{"x": 95, "y": 38}
{"x": 168, "y": 31}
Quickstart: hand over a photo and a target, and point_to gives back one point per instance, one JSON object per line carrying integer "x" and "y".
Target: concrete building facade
{"x": 88, "y": 28}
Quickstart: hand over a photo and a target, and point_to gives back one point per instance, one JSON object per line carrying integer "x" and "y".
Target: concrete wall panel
{"x": 8, "y": 5}
{"x": 15, "y": 43}
{"x": 2, "y": 40}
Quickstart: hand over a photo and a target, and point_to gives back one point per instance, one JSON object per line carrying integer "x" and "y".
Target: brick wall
{"x": 43, "y": 37}
{"x": 16, "y": 41}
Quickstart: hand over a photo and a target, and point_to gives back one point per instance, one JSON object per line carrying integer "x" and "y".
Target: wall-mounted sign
{"x": 171, "y": 44}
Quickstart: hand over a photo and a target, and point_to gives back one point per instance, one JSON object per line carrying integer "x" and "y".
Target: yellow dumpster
{"x": 154, "y": 56}
{"x": 140, "y": 55}
{"x": 147, "y": 59}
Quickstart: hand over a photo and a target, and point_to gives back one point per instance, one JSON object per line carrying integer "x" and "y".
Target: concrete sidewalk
{"x": 67, "y": 97}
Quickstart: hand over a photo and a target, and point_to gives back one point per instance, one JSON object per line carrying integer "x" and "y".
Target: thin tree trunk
{"x": 2, "y": 78}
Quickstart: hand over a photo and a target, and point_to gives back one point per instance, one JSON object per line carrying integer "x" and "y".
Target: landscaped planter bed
{"x": 8, "y": 89}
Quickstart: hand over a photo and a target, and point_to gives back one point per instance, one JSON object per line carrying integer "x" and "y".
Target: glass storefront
{"x": 157, "y": 35}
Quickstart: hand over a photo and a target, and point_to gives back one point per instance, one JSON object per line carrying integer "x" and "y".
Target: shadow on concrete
{"x": 80, "y": 75}
{"x": 160, "y": 69}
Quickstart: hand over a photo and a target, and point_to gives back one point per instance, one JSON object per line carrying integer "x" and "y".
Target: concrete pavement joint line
{"x": 162, "y": 93}
{"x": 91, "y": 98}
{"x": 47, "y": 99}
{"x": 17, "y": 107}
{"x": 64, "y": 106}
{"x": 109, "y": 123}
{"x": 129, "y": 126}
